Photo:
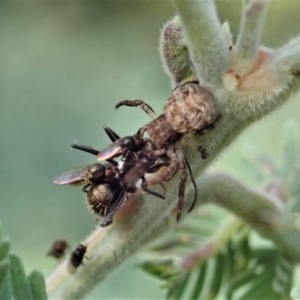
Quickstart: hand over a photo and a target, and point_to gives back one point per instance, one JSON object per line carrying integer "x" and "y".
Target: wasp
{"x": 103, "y": 189}
{"x": 105, "y": 186}
{"x": 189, "y": 110}
{"x": 135, "y": 165}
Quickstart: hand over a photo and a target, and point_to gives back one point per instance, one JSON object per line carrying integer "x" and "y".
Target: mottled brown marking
{"x": 189, "y": 108}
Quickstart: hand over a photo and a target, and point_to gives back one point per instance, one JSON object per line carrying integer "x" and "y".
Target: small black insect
{"x": 58, "y": 249}
{"x": 77, "y": 255}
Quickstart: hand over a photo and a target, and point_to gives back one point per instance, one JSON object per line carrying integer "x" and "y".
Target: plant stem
{"x": 208, "y": 49}
{"x": 248, "y": 41}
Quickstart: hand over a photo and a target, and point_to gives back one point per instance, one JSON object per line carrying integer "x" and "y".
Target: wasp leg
{"x": 85, "y": 189}
{"x": 144, "y": 106}
{"x": 108, "y": 219}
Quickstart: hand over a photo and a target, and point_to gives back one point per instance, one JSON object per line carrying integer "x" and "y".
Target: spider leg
{"x": 208, "y": 127}
{"x": 144, "y": 187}
{"x": 182, "y": 181}
{"x": 165, "y": 174}
{"x": 193, "y": 183}
{"x": 144, "y": 106}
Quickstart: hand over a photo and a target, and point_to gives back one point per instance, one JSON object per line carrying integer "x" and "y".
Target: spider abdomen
{"x": 190, "y": 108}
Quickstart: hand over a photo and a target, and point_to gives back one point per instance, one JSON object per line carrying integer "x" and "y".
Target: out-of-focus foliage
{"x": 14, "y": 282}
{"x": 64, "y": 65}
{"x": 214, "y": 256}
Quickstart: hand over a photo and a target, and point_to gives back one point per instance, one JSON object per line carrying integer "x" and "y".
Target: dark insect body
{"x": 101, "y": 185}
{"x": 77, "y": 255}
{"x": 58, "y": 249}
{"x": 106, "y": 186}
{"x": 135, "y": 165}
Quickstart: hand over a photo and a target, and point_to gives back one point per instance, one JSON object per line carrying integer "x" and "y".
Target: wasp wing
{"x": 73, "y": 176}
{"x": 112, "y": 150}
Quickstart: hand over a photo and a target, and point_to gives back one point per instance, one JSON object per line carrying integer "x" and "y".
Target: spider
{"x": 189, "y": 109}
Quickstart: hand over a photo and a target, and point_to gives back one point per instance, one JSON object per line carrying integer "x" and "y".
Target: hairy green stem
{"x": 263, "y": 212}
{"x": 248, "y": 41}
{"x": 207, "y": 44}
{"x": 174, "y": 53}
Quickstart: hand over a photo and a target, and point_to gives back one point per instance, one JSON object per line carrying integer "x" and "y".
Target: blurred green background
{"x": 63, "y": 67}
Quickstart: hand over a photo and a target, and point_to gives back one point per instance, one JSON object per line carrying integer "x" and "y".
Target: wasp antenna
{"x": 85, "y": 149}
{"x": 113, "y": 136}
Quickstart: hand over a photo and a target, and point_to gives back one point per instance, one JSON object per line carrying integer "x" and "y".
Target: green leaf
{"x": 162, "y": 269}
{"x": 37, "y": 285}
{"x": 260, "y": 287}
{"x": 5, "y": 289}
{"x": 238, "y": 281}
{"x": 20, "y": 285}
{"x": 4, "y": 248}
{"x": 216, "y": 283}
{"x": 178, "y": 288}
{"x": 1, "y": 232}
{"x": 284, "y": 271}
{"x": 199, "y": 282}
{"x": 4, "y": 265}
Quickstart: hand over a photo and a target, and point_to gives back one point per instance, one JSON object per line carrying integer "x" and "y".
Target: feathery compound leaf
{"x": 199, "y": 282}
{"x": 283, "y": 275}
{"x": 217, "y": 280}
{"x": 178, "y": 288}
{"x": 163, "y": 269}
{"x": 37, "y": 285}
{"x": 260, "y": 287}
{"x": 239, "y": 281}
{"x": 19, "y": 282}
